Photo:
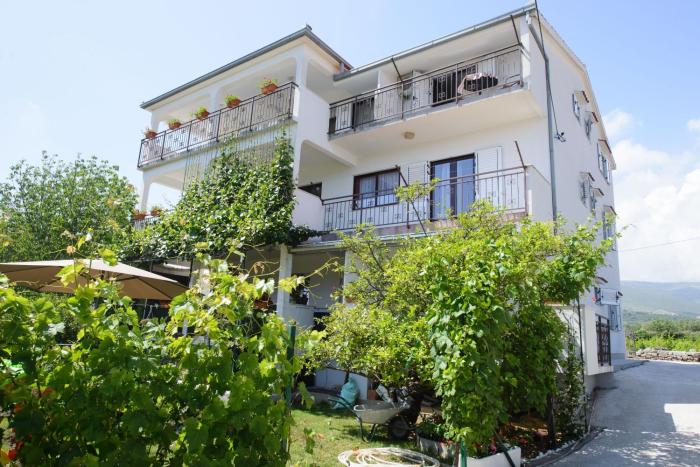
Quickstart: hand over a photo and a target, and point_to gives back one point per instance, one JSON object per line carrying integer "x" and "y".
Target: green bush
{"x": 130, "y": 393}
{"x": 465, "y": 312}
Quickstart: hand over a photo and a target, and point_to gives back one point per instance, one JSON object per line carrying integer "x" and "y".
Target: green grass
{"x": 334, "y": 432}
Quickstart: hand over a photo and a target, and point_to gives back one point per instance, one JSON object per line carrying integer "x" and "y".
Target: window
{"x": 594, "y": 203}
{"x": 576, "y": 106}
{"x": 455, "y": 192}
{"x": 444, "y": 86}
{"x": 376, "y": 189}
{"x": 603, "y": 164}
{"x": 585, "y": 189}
{"x": 588, "y": 125}
{"x": 615, "y": 318}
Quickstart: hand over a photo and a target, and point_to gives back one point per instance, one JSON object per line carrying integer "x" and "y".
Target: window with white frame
{"x": 609, "y": 230}
{"x": 615, "y": 318}
{"x": 584, "y": 188}
{"x": 603, "y": 163}
{"x": 588, "y": 125}
{"x": 576, "y": 106}
{"x": 594, "y": 202}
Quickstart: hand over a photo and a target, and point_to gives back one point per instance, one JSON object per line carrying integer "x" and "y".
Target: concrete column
{"x": 216, "y": 100}
{"x": 285, "y": 271}
{"x": 145, "y": 193}
{"x": 155, "y": 121}
{"x": 302, "y": 68}
{"x": 348, "y": 277}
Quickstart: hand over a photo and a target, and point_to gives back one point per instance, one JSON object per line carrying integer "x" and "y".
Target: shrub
{"x": 130, "y": 393}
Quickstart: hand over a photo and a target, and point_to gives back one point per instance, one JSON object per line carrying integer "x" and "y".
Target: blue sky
{"x": 72, "y": 76}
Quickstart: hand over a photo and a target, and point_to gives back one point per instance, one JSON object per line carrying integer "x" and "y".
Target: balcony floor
{"x": 470, "y": 115}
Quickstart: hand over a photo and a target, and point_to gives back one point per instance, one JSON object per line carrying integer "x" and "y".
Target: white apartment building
{"x": 471, "y": 109}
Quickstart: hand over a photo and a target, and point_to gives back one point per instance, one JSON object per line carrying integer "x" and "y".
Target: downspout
{"x": 583, "y": 365}
{"x": 550, "y": 124}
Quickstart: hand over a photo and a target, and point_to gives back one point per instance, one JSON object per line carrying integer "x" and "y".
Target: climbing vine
{"x": 238, "y": 198}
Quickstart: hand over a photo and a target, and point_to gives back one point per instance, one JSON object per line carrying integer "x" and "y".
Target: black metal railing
{"x": 480, "y": 76}
{"x": 253, "y": 114}
{"x": 602, "y": 330}
{"x": 140, "y": 224}
{"x": 505, "y": 189}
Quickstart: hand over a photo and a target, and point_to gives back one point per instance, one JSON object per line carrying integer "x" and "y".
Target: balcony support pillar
{"x": 146, "y": 192}
{"x": 285, "y": 271}
{"x": 348, "y": 277}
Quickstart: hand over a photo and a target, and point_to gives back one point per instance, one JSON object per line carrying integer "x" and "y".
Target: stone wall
{"x": 654, "y": 354}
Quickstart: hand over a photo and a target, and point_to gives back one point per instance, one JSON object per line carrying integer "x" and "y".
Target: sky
{"x": 73, "y": 73}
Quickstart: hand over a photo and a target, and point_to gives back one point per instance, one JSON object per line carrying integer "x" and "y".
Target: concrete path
{"x": 651, "y": 417}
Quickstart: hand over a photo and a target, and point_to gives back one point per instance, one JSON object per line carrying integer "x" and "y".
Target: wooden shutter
{"x": 417, "y": 173}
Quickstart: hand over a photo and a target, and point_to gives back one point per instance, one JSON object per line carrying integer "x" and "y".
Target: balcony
{"x": 254, "y": 114}
{"x": 506, "y": 189}
{"x": 457, "y": 84}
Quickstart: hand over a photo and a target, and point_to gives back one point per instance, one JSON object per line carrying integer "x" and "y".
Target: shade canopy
{"x": 134, "y": 282}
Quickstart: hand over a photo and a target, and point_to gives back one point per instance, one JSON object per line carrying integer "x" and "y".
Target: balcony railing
{"x": 253, "y": 114}
{"x": 140, "y": 224}
{"x": 483, "y": 75}
{"x": 504, "y": 189}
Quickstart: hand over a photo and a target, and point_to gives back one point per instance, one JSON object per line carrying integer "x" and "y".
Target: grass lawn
{"x": 335, "y": 431}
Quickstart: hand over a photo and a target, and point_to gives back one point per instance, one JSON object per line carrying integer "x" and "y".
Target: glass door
{"x": 454, "y": 193}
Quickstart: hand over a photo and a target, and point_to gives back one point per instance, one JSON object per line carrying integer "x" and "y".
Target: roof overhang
{"x": 435, "y": 43}
{"x": 304, "y": 32}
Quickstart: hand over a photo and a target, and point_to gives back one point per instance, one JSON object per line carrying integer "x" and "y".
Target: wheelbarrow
{"x": 378, "y": 413}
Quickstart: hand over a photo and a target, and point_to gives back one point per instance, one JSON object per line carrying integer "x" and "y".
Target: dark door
{"x": 454, "y": 193}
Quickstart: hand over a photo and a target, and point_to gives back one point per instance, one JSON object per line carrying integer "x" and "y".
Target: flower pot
{"x": 139, "y": 216}
{"x": 156, "y": 212}
{"x": 441, "y": 450}
{"x": 269, "y": 88}
{"x": 174, "y": 126}
{"x": 151, "y": 134}
{"x": 233, "y": 104}
{"x": 202, "y": 115}
{"x": 495, "y": 460}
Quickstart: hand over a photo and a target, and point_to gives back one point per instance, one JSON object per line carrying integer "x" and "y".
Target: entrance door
{"x": 454, "y": 193}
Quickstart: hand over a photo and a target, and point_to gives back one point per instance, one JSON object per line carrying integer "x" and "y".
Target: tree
{"x": 44, "y": 207}
{"x": 464, "y": 311}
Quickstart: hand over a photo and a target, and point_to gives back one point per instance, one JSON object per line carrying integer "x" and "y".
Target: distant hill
{"x": 645, "y": 301}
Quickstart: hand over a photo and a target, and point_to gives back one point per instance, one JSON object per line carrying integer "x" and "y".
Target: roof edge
{"x": 442, "y": 40}
{"x": 304, "y": 32}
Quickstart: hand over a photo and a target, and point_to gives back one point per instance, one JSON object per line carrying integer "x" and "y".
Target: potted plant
{"x": 201, "y": 113}
{"x": 150, "y": 133}
{"x": 174, "y": 123}
{"x": 232, "y": 101}
{"x": 268, "y": 86}
{"x": 431, "y": 437}
{"x": 138, "y": 215}
{"x": 156, "y": 210}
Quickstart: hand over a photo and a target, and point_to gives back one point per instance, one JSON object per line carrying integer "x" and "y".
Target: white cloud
{"x": 657, "y": 196}
{"x": 617, "y": 122}
{"x": 694, "y": 125}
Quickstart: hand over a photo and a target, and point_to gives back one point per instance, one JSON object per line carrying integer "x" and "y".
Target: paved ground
{"x": 651, "y": 417}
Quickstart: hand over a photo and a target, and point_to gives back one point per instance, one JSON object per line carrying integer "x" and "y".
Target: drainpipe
{"x": 550, "y": 125}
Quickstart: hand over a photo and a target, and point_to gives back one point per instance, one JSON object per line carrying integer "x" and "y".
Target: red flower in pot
{"x": 232, "y": 101}
{"x": 268, "y": 86}
{"x": 201, "y": 113}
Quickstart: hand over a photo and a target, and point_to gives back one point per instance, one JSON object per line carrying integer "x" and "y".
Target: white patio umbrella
{"x": 135, "y": 282}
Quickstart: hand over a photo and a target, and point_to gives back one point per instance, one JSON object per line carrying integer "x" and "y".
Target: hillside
{"x": 645, "y": 301}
